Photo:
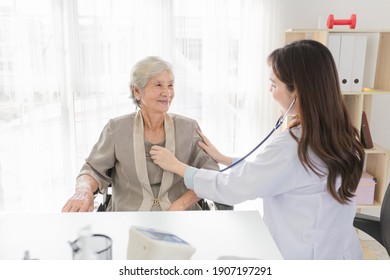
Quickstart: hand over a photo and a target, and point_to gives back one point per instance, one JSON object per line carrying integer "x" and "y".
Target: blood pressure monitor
{"x": 153, "y": 244}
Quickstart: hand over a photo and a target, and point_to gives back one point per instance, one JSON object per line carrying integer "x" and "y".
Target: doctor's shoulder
{"x": 288, "y": 135}
{"x": 284, "y": 141}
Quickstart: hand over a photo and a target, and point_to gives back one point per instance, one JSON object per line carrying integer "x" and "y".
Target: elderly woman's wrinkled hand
{"x": 80, "y": 202}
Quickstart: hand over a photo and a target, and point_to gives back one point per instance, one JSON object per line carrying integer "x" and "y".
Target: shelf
{"x": 377, "y": 149}
{"x": 293, "y": 30}
{"x": 371, "y": 92}
{"x": 375, "y": 205}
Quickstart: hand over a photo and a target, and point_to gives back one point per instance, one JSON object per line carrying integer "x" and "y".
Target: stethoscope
{"x": 279, "y": 122}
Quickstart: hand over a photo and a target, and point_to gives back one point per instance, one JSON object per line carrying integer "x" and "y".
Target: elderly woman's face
{"x": 158, "y": 93}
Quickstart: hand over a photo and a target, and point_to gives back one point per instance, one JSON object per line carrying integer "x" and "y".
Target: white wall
{"x": 374, "y": 14}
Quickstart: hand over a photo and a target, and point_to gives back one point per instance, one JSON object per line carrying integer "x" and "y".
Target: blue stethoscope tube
{"x": 279, "y": 122}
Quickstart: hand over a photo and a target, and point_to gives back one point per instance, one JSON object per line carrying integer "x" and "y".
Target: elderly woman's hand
{"x": 83, "y": 198}
{"x": 167, "y": 161}
{"x": 81, "y": 201}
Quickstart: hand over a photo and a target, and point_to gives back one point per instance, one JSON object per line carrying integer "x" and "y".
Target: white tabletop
{"x": 214, "y": 234}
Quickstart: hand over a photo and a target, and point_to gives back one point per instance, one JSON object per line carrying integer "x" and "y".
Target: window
{"x": 64, "y": 71}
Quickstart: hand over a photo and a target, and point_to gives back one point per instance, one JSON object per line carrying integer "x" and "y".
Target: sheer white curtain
{"x": 32, "y": 125}
{"x": 64, "y": 68}
{"x": 236, "y": 100}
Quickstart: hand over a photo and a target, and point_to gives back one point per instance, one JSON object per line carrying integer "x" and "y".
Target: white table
{"x": 214, "y": 234}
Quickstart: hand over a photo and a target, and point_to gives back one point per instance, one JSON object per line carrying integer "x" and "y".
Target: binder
{"x": 349, "y": 53}
{"x": 334, "y": 43}
{"x": 359, "y": 58}
{"x": 346, "y": 61}
{"x": 365, "y": 134}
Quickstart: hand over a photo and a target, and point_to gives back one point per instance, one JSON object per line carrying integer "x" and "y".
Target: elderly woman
{"x": 121, "y": 157}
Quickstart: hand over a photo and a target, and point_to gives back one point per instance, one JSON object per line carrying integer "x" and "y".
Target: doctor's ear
{"x": 294, "y": 94}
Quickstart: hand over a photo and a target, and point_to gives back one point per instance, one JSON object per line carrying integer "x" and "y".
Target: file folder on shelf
{"x": 334, "y": 43}
{"x": 359, "y": 58}
{"x": 349, "y": 53}
{"x": 346, "y": 61}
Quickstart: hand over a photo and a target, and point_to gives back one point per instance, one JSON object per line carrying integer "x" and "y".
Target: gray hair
{"x": 144, "y": 70}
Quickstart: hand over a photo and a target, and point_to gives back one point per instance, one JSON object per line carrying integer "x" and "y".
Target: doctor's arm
{"x": 167, "y": 161}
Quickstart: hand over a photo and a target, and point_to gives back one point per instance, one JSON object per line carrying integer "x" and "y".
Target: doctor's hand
{"x": 212, "y": 151}
{"x": 167, "y": 161}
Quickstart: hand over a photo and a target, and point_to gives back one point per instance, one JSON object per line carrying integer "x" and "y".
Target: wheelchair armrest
{"x": 104, "y": 205}
{"x": 210, "y": 205}
{"x": 221, "y": 206}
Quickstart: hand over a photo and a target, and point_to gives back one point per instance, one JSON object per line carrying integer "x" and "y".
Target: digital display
{"x": 162, "y": 236}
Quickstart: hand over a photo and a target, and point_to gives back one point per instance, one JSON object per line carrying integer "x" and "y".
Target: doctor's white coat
{"x": 305, "y": 221}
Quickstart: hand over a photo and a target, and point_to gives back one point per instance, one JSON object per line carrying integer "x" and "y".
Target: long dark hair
{"x": 327, "y": 130}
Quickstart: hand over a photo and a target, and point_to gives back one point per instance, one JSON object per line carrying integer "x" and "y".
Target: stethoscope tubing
{"x": 279, "y": 122}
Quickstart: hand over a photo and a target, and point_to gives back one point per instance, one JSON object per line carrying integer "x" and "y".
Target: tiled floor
{"x": 372, "y": 250}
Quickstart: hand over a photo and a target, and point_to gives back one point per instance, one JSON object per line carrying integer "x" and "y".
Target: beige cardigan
{"x": 121, "y": 158}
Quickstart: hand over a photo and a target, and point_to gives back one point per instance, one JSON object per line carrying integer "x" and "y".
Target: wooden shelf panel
{"x": 294, "y": 30}
{"x": 365, "y": 206}
{"x": 365, "y": 93}
{"x": 378, "y": 149}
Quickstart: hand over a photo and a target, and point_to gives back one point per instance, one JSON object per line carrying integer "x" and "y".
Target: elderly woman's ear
{"x": 136, "y": 95}
{"x": 136, "y": 92}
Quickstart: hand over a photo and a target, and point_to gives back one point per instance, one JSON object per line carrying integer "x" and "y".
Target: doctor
{"x": 308, "y": 174}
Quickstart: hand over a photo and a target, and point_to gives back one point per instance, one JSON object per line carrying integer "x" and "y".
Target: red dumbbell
{"x": 351, "y": 22}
